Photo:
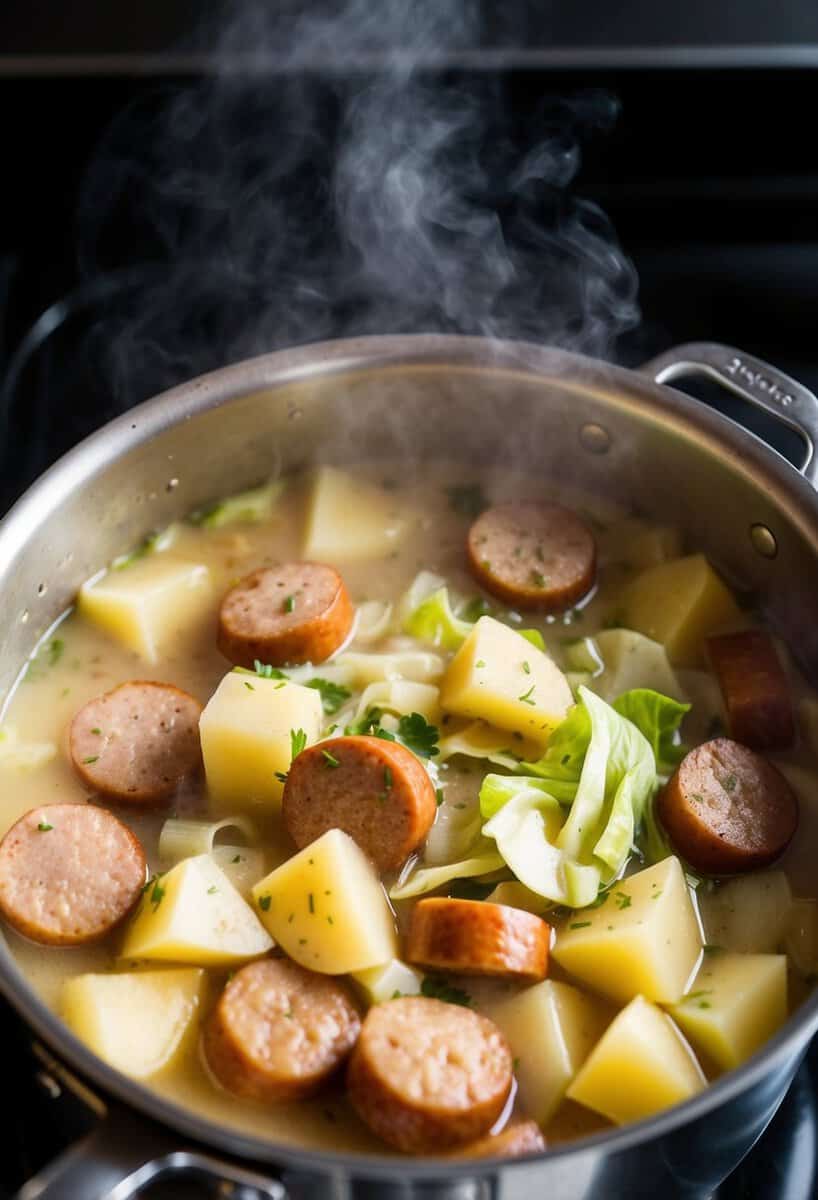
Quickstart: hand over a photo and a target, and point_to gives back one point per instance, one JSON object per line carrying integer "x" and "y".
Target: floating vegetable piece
{"x": 350, "y": 519}
{"x": 388, "y": 981}
{"x": 428, "y": 879}
{"x": 246, "y": 508}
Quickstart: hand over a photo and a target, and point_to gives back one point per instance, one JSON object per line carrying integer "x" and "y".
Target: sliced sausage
{"x": 427, "y": 1076}
{"x": 727, "y": 809}
{"x": 473, "y": 937}
{"x": 376, "y": 791}
{"x": 538, "y": 556}
{"x": 69, "y": 873}
{"x": 524, "y": 1137}
{"x": 755, "y": 689}
{"x": 137, "y": 742}
{"x": 279, "y": 1031}
{"x": 295, "y": 613}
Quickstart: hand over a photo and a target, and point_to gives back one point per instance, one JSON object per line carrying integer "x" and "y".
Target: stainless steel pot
{"x": 616, "y": 431}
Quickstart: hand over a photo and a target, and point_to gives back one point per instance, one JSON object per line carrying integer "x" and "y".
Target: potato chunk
{"x": 137, "y": 1022}
{"x": 640, "y": 1065}
{"x": 678, "y": 603}
{"x": 245, "y": 730}
{"x": 326, "y": 908}
{"x": 644, "y": 939}
{"x": 149, "y": 604}
{"x": 499, "y": 677}
{"x": 736, "y": 1002}
{"x": 351, "y": 519}
{"x": 551, "y": 1028}
{"x": 639, "y": 543}
{"x": 195, "y": 915}
{"x": 749, "y": 914}
{"x": 388, "y": 981}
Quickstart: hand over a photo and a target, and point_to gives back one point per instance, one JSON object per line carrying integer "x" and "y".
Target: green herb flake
{"x": 366, "y": 723}
{"x": 266, "y": 671}
{"x": 330, "y": 759}
{"x": 157, "y": 894}
{"x": 418, "y": 735}
{"x": 98, "y": 732}
{"x": 332, "y": 694}
{"x": 527, "y": 668}
{"x": 212, "y": 889}
{"x": 264, "y": 903}
{"x": 289, "y": 604}
{"x": 92, "y": 758}
{"x": 237, "y": 858}
{"x": 437, "y": 988}
{"x": 515, "y": 1064}
{"x": 467, "y": 499}
{"x": 330, "y": 921}
{"x": 439, "y": 796}
{"x": 311, "y": 902}
{"x": 538, "y": 579}
{"x": 526, "y": 697}
{"x": 481, "y": 662}
{"x": 249, "y": 686}
{"x": 729, "y": 782}
{"x": 44, "y": 827}
{"x": 281, "y": 776}
{"x": 579, "y": 924}
{"x": 298, "y": 742}
{"x": 623, "y": 900}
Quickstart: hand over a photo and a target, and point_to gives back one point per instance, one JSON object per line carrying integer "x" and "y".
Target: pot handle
{"x": 751, "y": 378}
{"x": 124, "y": 1154}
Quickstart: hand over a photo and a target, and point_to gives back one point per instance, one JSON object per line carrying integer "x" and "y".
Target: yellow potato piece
{"x": 193, "y": 914}
{"x": 327, "y": 909}
{"x": 551, "y": 1028}
{"x": 499, "y": 677}
{"x": 150, "y": 604}
{"x": 137, "y": 1022}
{"x": 245, "y": 731}
{"x": 643, "y": 940}
{"x": 679, "y": 603}
{"x": 749, "y": 914}
{"x": 351, "y": 519}
{"x": 736, "y": 1002}
{"x": 386, "y": 982}
{"x": 640, "y": 1065}
{"x": 801, "y": 941}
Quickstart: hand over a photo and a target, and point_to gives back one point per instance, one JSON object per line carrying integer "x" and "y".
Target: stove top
{"x": 709, "y": 178}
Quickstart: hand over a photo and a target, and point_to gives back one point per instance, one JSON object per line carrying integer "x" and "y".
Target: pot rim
{"x": 281, "y": 368}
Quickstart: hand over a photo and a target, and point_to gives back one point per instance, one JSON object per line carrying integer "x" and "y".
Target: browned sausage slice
{"x": 755, "y": 689}
{"x": 69, "y": 873}
{"x": 473, "y": 937}
{"x": 427, "y": 1076}
{"x": 295, "y": 613}
{"x": 727, "y": 809}
{"x": 279, "y": 1031}
{"x": 376, "y": 791}
{"x": 523, "y": 1137}
{"x": 137, "y": 742}
{"x": 533, "y": 555}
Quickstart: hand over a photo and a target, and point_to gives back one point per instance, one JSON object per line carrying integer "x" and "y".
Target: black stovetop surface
{"x": 710, "y": 178}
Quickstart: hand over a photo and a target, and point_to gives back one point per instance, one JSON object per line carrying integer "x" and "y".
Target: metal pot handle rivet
{"x": 754, "y": 380}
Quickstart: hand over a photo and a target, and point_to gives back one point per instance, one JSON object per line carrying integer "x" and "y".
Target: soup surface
{"x": 507, "y": 707}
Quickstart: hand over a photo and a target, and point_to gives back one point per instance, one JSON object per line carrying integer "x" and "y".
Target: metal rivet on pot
{"x": 594, "y": 438}
{"x": 763, "y": 540}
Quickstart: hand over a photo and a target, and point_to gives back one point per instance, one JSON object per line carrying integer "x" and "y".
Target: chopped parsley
{"x": 311, "y": 902}
{"x": 44, "y": 827}
{"x": 212, "y": 889}
{"x": 579, "y": 924}
{"x": 436, "y": 988}
{"x": 418, "y": 735}
{"x": 330, "y": 759}
{"x": 298, "y": 742}
{"x": 467, "y": 499}
{"x": 387, "y": 783}
{"x": 729, "y": 782}
{"x": 600, "y": 900}
{"x": 98, "y": 732}
{"x": 439, "y": 796}
{"x": 623, "y": 900}
{"x": 365, "y": 723}
{"x": 281, "y": 776}
{"x": 515, "y": 1064}
{"x": 249, "y": 686}
{"x": 92, "y": 758}
{"x": 264, "y": 903}
{"x": 474, "y": 610}
{"x": 157, "y": 892}
{"x": 266, "y": 671}
{"x": 332, "y": 694}
{"x": 527, "y": 668}
{"x": 237, "y": 858}
{"x": 526, "y": 697}
{"x": 481, "y": 662}
{"x": 538, "y": 579}
{"x": 289, "y": 604}
{"x": 566, "y": 758}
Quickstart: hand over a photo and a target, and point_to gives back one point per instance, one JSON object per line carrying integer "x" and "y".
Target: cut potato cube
{"x": 678, "y": 603}
{"x": 149, "y": 604}
{"x": 387, "y": 982}
{"x": 193, "y": 914}
{"x": 351, "y": 519}
{"x": 640, "y": 1065}
{"x": 551, "y": 1028}
{"x": 327, "y": 909}
{"x": 801, "y": 941}
{"x": 500, "y": 677}
{"x": 245, "y": 733}
{"x": 637, "y": 543}
{"x": 736, "y": 1002}
{"x": 633, "y": 661}
{"x": 749, "y": 914}
{"x": 137, "y": 1022}
{"x": 643, "y": 940}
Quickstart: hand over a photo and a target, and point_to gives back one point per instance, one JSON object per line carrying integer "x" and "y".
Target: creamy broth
{"x": 89, "y": 662}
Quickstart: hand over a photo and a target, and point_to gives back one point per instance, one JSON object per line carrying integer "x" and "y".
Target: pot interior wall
{"x": 155, "y": 465}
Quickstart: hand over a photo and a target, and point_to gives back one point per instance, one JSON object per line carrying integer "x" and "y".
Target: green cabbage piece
{"x": 242, "y": 508}
{"x": 427, "y": 879}
{"x": 434, "y": 621}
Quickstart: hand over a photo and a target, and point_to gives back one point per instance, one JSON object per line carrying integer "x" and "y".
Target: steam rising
{"x": 274, "y": 203}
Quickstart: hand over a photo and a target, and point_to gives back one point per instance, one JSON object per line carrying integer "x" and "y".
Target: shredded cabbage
{"x": 372, "y": 621}
{"x": 480, "y": 740}
{"x": 400, "y": 696}
{"x": 427, "y": 879}
{"x": 244, "y": 507}
{"x": 433, "y": 621}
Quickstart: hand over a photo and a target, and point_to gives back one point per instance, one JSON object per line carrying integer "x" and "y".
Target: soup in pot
{"x": 434, "y": 814}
